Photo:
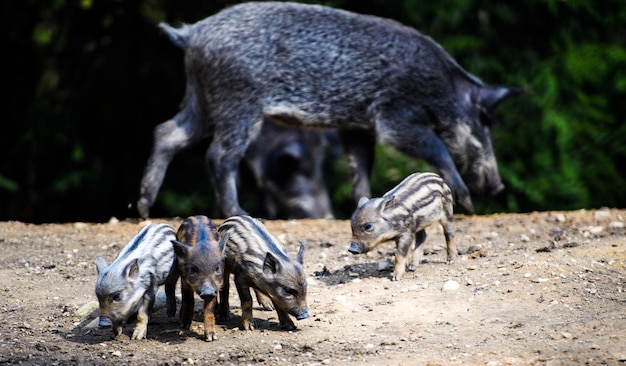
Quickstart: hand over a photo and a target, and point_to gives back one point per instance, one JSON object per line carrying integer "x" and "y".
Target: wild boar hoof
{"x": 120, "y": 337}
{"x": 266, "y": 305}
{"x": 411, "y": 267}
{"x": 143, "y": 208}
{"x": 396, "y": 277}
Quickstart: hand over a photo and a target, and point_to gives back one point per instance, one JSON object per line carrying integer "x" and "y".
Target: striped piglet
{"x": 200, "y": 255}
{"x": 258, "y": 261}
{"x": 402, "y": 215}
{"x": 128, "y": 286}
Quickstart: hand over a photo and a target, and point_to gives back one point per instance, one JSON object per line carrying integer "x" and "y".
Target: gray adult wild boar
{"x": 258, "y": 261}
{"x": 200, "y": 255}
{"x": 287, "y": 164}
{"x": 128, "y": 286}
{"x": 402, "y": 215}
{"x": 314, "y": 66}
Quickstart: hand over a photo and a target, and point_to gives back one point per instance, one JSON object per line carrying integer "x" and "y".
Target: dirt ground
{"x": 543, "y": 288}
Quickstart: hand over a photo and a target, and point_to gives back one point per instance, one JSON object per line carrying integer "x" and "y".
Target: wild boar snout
{"x": 304, "y": 313}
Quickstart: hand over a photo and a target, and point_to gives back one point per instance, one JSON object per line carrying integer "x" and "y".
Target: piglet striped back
{"x": 152, "y": 246}
{"x": 420, "y": 191}
{"x": 249, "y": 241}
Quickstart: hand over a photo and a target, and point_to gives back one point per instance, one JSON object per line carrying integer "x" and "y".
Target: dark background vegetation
{"x": 86, "y": 81}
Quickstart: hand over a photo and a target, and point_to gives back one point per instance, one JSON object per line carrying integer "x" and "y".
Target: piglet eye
{"x": 291, "y": 291}
{"x": 192, "y": 270}
{"x": 367, "y": 227}
{"x": 218, "y": 270}
{"x": 116, "y": 296}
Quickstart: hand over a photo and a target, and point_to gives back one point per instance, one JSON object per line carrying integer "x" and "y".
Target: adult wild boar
{"x": 318, "y": 67}
{"x": 287, "y": 164}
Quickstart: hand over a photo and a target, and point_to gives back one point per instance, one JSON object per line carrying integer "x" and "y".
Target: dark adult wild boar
{"x": 200, "y": 255}
{"x": 287, "y": 164}
{"x": 313, "y": 66}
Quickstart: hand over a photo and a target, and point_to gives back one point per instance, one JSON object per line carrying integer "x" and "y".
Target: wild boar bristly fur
{"x": 258, "y": 261}
{"x": 300, "y": 65}
{"x": 402, "y": 215}
{"x": 128, "y": 286}
{"x": 200, "y": 255}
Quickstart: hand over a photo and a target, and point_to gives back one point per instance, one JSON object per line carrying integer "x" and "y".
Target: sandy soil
{"x": 533, "y": 289}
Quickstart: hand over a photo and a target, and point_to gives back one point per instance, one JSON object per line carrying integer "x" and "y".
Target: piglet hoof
{"x": 267, "y": 305}
{"x": 411, "y": 267}
{"x": 396, "y": 277}
{"x": 210, "y": 337}
{"x": 248, "y": 326}
{"x": 120, "y": 337}
{"x": 140, "y": 332}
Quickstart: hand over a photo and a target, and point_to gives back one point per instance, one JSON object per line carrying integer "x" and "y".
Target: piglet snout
{"x": 207, "y": 291}
{"x": 104, "y": 322}
{"x": 354, "y": 249}
{"x": 304, "y": 313}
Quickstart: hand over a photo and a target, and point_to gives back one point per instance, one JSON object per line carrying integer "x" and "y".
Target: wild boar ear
{"x": 300, "y": 256}
{"x": 101, "y": 264}
{"x": 362, "y": 201}
{"x": 492, "y": 95}
{"x": 180, "y": 249}
{"x": 270, "y": 265}
{"x": 132, "y": 271}
{"x": 222, "y": 243}
{"x": 388, "y": 204}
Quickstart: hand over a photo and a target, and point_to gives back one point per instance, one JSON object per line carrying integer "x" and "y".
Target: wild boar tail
{"x": 178, "y": 36}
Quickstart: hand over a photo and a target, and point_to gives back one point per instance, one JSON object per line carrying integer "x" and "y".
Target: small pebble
{"x": 450, "y": 286}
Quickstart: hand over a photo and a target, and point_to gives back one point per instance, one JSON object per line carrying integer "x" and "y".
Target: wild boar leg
{"x": 170, "y": 137}
{"x": 223, "y": 157}
{"x": 223, "y": 305}
{"x": 264, "y": 301}
{"x": 247, "y": 322}
{"x": 418, "y": 250}
{"x": 186, "y": 308}
{"x": 143, "y": 315}
{"x": 403, "y": 245}
{"x": 209, "y": 318}
{"x": 448, "y": 232}
{"x": 421, "y": 142}
{"x": 284, "y": 319}
{"x": 170, "y": 291}
{"x": 358, "y": 148}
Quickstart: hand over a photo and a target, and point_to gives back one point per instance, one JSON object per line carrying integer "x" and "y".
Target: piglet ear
{"x": 300, "y": 256}
{"x": 492, "y": 95}
{"x": 132, "y": 271}
{"x": 180, "y": 249}
{"x": 388, "y": 203}
{"x": 222, "y": 243}
{"x": 101, "y": 264}
{"x": 362, "y": 201}
{"x": 270, "y": 265}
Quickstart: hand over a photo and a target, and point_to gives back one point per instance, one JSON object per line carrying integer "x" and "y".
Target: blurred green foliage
{"x": 87, "y": 81}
